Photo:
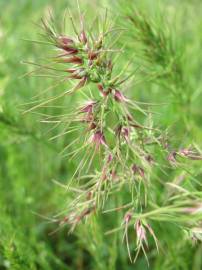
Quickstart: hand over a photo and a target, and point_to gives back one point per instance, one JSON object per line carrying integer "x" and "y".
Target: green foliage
{"x": 162, "y": 40}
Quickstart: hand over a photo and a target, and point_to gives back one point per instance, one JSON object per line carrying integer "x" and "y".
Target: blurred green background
{"x": 29, "y": 161}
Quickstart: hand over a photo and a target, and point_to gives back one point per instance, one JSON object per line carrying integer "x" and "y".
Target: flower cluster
{"x": 112, "y": 133}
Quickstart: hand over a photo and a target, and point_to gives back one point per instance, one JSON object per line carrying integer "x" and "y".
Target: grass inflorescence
{"x": 116, "y": 141}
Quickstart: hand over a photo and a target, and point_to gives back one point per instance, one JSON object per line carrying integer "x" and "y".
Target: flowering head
{"x": 140, "y": 233}
{"x": 127, "y": 217}
{"x": 149, "y": 159}
{"x": 190, "y": 154}
{"x": 82, "y": 37}
{"x": 138, "y": 170}
{"x": 104, "y": 91}
{"x": 98, "y": 139}
{"x": 122, "y": 131}
{"x": 118, "y": 96}
{"x": 172, "y": 158}
{"x": 92, "y": 55}
{"x": 65, "y": 43}
{"x": 109, "y": 158}
{"x": 88, "y": 107}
